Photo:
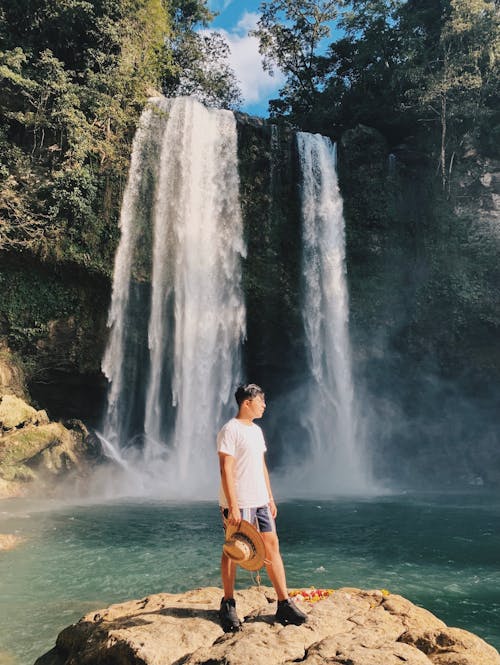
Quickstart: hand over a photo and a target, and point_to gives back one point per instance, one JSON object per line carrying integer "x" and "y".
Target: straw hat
{"x": 244, "y": 545}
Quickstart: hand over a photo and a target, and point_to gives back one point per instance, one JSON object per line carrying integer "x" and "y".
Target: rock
{"x": 8, "y": 541}
{"x": 452, "y": 646}
{"x": 11, "y": 375}
{"x": 7, "y": 658}
{"x": 14, "y": 412}
{"x": 32, "y": 448}
{"x": 10, "y": 489}
{"x": 351, "y": 627}
{"x": 37, "y": 454}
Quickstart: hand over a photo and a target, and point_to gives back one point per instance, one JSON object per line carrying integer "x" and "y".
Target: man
{"x": 245, "y": 493}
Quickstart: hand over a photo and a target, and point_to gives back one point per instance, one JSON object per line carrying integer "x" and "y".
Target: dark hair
{"x": 247, "y": 391}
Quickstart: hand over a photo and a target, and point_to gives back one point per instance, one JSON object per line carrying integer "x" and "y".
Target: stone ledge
{"x": 351, "y": 627}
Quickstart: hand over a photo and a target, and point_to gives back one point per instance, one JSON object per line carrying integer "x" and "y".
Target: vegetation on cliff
{"x": 75, "y": 76}
{"x": 424, "y": 71}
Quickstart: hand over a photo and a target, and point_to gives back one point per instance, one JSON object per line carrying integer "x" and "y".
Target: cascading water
{"x": 183, "y": 183}
{"x": 336, "y": 464}
{"x": 133, "y": 219}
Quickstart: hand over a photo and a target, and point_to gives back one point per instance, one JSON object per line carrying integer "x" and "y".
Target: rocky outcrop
{"x": 15, "y": 413}
{"x": 33, "y": 450}
{"x": 35, "y": 454}
{"x": 351, "y": 627}
{"x": 8, "y": 541}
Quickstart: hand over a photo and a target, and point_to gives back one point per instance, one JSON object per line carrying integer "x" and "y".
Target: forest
{"x": 75, "y": 75}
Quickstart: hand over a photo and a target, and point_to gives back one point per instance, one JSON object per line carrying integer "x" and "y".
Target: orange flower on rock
{"x": 311, "y": 595}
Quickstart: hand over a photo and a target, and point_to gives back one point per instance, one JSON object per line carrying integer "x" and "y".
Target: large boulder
{"x": 15, "y": 413}
{"x": 34, "y": 456}
{"x": 34, "y": 452}
{"x": 351, "y": 627}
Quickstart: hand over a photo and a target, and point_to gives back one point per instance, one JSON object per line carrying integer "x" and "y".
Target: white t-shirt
{"x": 246, "y": 444}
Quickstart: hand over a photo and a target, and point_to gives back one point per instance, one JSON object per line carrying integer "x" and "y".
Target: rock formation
{"x": 351, "y": 627}
{"x": 34, "y": 450}
{"x": 8, "y": 541}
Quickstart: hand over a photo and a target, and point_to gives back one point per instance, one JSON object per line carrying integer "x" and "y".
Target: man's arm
{"x": 272, "y": 505}
{"x": 226, "y": 463}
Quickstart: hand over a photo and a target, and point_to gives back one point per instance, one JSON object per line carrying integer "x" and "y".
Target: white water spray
{"x": 197, "y": 314}
{"x": 331, "y": 421}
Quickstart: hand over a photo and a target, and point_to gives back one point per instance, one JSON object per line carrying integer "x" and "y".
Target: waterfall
{"x": 131, "y": 221}
{"x": 335, "y": 464}
{"x": 170, "y": 382}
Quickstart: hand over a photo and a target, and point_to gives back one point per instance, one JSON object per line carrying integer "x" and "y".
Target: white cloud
{"x": 257, "y": 86}
{"x": 247, "y": 22}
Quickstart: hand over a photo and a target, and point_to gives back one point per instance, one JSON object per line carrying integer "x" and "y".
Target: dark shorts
{"x": 260, "y": 517}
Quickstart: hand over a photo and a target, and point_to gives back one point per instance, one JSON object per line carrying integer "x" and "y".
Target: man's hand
{"x": 234, "y": 516}
{"x": 274, "y": 509}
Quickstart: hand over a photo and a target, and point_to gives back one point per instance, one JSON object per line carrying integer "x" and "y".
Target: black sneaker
{"x": 228, "y": 617}
{"x": 289, "y": 613}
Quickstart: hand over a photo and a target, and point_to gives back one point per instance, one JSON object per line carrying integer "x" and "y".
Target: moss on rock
{"x": 14, "y": 412}
{"x": 32, "y": 449}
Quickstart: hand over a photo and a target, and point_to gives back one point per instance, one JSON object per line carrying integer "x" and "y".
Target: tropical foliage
{"x": 420, "y": 69}
{"x": 74, "y": 76}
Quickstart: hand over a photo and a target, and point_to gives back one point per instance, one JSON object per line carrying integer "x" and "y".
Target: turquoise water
{"x": 440, "y": 552}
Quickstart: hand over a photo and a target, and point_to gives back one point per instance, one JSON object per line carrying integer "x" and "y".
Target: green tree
{"x": 202, "y": 70}
{"x": 291, "y": 34}
{"x": 74, "y": 77}
{"x": 366, "y": 72}
{"x": 199, "y": 58}
{"x": 424, "y": 71}
{"x": 457, "y": 86}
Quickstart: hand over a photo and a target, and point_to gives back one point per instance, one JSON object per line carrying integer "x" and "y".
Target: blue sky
{"x": 235, "y": 19}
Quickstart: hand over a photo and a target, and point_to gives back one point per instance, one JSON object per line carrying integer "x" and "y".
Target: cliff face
{"x": 425, "y": 319}
{"x": 54, "y": 318}
{"x": 351, "y": 626}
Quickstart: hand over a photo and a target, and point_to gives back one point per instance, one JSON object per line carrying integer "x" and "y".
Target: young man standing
{"x": 245, "y": 493}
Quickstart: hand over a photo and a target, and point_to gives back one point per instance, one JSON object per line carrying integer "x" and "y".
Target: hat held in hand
{"x": 244, "y": 545}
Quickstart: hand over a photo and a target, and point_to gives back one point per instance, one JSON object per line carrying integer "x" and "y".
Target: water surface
{"x": 440, "y": 552}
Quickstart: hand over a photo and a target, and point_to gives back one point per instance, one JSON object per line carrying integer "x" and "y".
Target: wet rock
{"x": 34, "y": 452}
{"x": 9, "y": 541}
{"x": 15, "y": 413}
{"x": 40, "y": 454}
{"x": 351, "y": 626}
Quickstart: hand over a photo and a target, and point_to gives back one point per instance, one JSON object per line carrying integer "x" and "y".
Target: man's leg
{"x": 287, "y": 612}
{"x": 228, "y": 574}
{"x": 227, "y": 613}
{"x": 275, "y": 568}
